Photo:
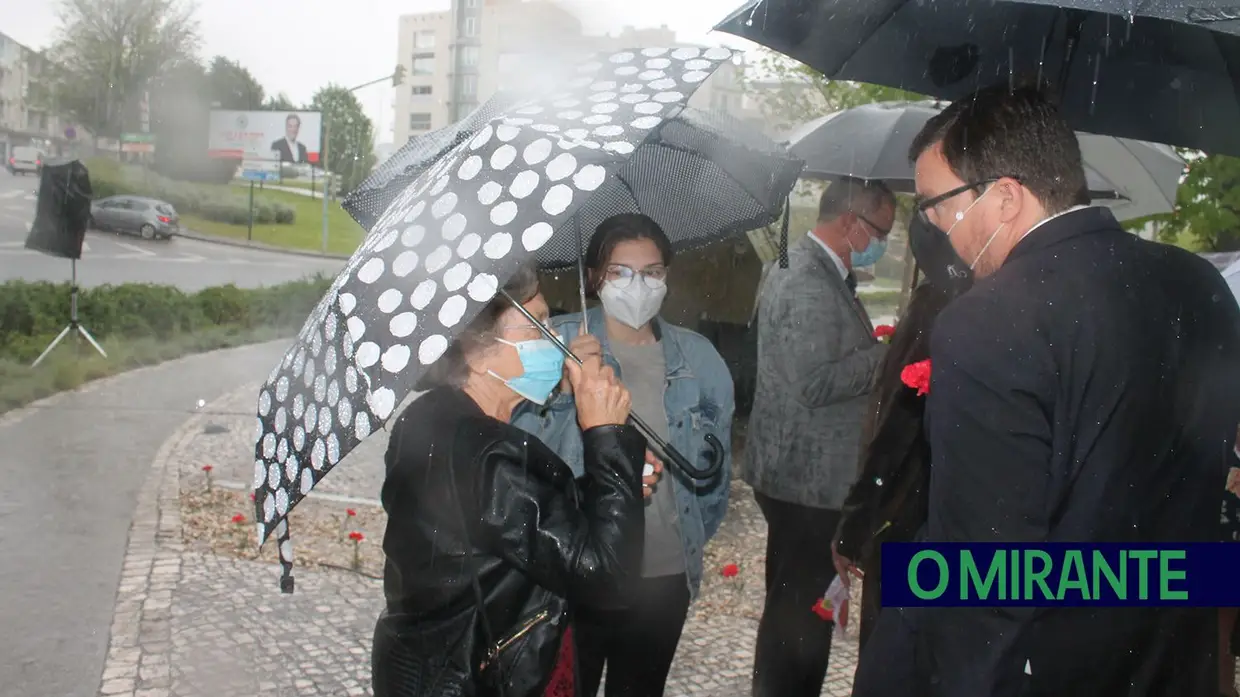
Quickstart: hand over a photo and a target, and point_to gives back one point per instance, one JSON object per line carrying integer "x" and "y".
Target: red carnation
{"x": 883, "y": 332}
{"x": 824, "y": 613}
{"x": 238, "y": 519}
{"x": 252, "y": 496}
{"x": 350, "y": 512}
{"x": 207, "y": 468}
{"x": 730, "y": 570}
{"x": 356, "y": 536}
{"x": 917, "y": 376}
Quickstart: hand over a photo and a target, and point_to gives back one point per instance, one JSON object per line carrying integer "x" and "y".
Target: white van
{"x": 25, "y": 160}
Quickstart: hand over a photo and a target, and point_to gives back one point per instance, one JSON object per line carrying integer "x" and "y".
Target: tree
{"x": 280, "y": 102}
{"x": 350, "y": 135}
{"x": 107, "y": 53}
{"x": 232, "y": 86}
{"x": 791, "y": 93}
{"x": 1207, "y": 211}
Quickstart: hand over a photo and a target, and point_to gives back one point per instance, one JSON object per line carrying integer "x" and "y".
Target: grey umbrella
{"x": 1156, "y": 70}
{"x": 872, "y": 141}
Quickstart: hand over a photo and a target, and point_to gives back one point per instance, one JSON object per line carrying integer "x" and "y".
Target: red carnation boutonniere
{"x": 822, "y": 608}
{"x": 917, "y": 376}
{"x": 883, "y": 333}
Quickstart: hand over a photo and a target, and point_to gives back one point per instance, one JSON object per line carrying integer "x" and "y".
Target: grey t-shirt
{"x": 644, "y": 372}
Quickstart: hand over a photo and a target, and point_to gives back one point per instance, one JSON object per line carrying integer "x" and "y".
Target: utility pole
{"x": 397, "y": 77}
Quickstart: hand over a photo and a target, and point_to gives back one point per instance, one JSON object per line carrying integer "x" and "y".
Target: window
{"x": 420, "y": 122}
{"x": 424, "y": 40}
{"x": 471, "y": 3}
{"x": 468, "y": 86}
{"x": 471, "y": 26}
{"x": 423, "y": 63}
{"x": 421, "y": 90}
{"x": 469, "y": 56}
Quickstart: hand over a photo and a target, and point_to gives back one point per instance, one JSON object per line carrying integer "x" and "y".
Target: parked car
{"x": 25, "y": 160}
{"x": 148, "y": 217}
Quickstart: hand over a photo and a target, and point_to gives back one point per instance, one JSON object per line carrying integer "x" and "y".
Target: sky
{"x": 297, "y": 46}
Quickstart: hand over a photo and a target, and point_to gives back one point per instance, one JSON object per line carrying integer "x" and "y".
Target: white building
{"x": 457, "y": 59}
{"x": 22, "y": 123}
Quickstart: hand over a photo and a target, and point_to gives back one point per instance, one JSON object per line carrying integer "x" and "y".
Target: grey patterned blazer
{"x": 817, "y": 363}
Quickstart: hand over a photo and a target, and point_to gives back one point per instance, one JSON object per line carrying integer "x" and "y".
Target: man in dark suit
{"x": 1084, "y": 390}
{"x": 817, "y": 358}
{"x": 290, "y": 149}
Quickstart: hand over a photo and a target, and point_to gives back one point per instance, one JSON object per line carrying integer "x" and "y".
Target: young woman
{"x": 489, "y": 539}
{"x": 682, "y": 388}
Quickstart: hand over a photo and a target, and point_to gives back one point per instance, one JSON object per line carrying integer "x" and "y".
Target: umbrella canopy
{"x": 872, "y": 141}
{"x": 1157, "y": 70}
{"x": 702, "y": 176}
{"x": 440, "y": 252}
{"x": 1232, "y": 274}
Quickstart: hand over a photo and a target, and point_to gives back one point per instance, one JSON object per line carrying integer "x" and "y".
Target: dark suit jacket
{"x": 1086, "y": 391}
{"x": 286, "y": 155}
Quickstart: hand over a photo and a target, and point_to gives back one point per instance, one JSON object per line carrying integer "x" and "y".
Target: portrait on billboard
{"x": 292, "y": 137}
{"x": 289, "y": 147}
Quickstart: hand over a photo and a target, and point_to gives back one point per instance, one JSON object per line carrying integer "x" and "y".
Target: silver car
{"x": 148, "y": 217}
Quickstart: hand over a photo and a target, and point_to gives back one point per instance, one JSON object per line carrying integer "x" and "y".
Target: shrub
{"x": 109, "y": 178}
{"x": 32, "y": 313}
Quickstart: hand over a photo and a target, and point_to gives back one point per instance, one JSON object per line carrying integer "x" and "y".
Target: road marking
{"x": 134, "y": 248}
{"x": 13, "y": 194}
{"x": 12, "y": 244}
{"x": 85, "y": 246}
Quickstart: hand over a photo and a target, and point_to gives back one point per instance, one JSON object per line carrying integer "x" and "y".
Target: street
{"x": 108, "y": 258}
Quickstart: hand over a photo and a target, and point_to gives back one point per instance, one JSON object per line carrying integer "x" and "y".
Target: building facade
{"x": 22, "y": 122}
{"x": 456, "y": 60}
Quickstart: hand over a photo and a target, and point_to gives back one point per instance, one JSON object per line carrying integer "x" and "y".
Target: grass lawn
{"x": 75, "y": 363}
{"x": 306, "y": 232}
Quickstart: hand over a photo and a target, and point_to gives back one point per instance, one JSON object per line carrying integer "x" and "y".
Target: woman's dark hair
{"x": 624, "y": 228}
{"x": 452, "y": 368}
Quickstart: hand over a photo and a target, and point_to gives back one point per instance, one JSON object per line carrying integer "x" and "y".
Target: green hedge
{"x": 32, "y": 313}
{"x": 109, "y": 178}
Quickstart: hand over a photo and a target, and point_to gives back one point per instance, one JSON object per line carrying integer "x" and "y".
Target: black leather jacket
{"x": 540, "y": 540}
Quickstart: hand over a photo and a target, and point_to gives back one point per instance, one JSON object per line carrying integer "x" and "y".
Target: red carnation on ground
{"x": 238, "y": 519}
{"x": 252, "y": 496}
{"x": 350, "y": 512}
{"x": 883, "y": 332}
{"x": 356, "y": 536}
{"x": 730, "y": 570}
{"x": 207, "y": 468}
{"x": 824, "y": 613}
{"x": 917, "y": 376}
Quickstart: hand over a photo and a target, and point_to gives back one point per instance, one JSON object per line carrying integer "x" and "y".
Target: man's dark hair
{"x": 1010, "y": 132}
{"x": 852, "y": 194}
{"x": 293, "y": 117}
{"x": 624, "y": 227}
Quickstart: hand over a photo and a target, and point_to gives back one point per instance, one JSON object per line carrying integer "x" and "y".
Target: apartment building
{"x": 457, "y": 59}
{"x": 22, "y": 123}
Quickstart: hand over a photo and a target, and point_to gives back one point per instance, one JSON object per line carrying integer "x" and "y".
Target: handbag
{"x": 414, "y": 656}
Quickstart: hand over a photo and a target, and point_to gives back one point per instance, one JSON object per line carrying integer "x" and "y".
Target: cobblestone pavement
{"x": 189, "y": 623}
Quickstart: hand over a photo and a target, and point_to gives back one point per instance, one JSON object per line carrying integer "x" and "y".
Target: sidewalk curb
{"x": 244, "y": 244}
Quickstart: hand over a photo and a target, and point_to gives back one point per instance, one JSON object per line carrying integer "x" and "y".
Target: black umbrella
{"x": 1157, "y": 70}
{"x": 872, "y": 142}
{"x": 441, "y": 250}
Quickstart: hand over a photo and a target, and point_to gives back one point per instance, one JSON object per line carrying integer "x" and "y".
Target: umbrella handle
{"x": 673, "y": 456}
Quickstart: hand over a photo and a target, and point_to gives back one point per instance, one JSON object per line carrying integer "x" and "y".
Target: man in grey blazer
{"x": 817, "y": 362}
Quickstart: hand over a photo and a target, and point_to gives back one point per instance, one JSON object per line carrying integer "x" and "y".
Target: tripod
{"x": 74, "y": 325}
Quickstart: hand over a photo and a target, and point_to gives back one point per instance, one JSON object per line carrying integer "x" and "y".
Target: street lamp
{"x": 397, "y": 77}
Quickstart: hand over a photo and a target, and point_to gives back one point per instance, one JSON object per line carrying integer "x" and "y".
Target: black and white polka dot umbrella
{"x": 440, "y": 252}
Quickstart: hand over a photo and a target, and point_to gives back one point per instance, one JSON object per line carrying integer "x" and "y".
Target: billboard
{"x": 287, "y": 136}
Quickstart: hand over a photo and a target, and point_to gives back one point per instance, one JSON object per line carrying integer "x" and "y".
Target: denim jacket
{"x": 698, "y": 399}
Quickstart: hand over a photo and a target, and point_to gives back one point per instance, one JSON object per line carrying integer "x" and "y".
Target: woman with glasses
{"x": 682, "y": 388}
{"x": 490, "y": 540}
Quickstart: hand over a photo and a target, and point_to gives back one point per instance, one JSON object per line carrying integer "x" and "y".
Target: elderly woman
{"x": 490, "y": 540}
{"x": 682, "y": 388}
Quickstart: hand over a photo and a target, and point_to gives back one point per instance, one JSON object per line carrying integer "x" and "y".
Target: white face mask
{"x": 634, "y": 304}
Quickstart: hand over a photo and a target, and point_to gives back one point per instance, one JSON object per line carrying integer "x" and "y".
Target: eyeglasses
{"x": 921, "y": 207}
{"x": 654, "y": 276}
{"x": 528, "y": 327}
{"x": 882, "y": 232}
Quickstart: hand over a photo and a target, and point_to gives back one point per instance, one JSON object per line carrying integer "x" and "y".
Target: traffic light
{"x": 398, "y": 76}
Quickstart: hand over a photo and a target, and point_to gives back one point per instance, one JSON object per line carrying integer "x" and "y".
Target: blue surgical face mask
{"x": 871, "y": 254}
{"x": 542, "y": 364}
